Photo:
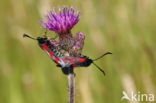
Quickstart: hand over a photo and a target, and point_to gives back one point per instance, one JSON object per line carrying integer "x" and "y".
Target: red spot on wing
{"x": 73, "y": 60}
{"x": 45, "y": 47}
{"x": 81, "y": 60}
{"x": 51, "y": 54}
{"x": 67, "y": 58}
{"x": 57, "y": 59}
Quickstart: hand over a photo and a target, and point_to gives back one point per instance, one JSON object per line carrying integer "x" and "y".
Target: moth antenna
{"x": 102, "y": 56}
{"x": 100, "y": 69}
{"x": 25, "y": 35}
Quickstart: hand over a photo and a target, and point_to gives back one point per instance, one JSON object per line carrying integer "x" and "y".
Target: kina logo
{"x": 138, "y": 96}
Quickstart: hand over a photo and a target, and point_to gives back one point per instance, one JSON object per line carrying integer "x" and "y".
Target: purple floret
{"x": 63, "y": 21}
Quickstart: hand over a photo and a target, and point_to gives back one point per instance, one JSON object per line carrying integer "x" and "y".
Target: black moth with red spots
{"x": 64, "y": 62}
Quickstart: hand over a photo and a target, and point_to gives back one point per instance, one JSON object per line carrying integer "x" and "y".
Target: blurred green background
{"x": 125, "y": 27}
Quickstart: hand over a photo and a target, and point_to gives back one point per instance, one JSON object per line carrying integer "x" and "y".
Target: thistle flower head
{"x": 62, "y": 21}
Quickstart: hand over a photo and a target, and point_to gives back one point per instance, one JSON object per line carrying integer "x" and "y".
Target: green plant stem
{"x": 71, "y": 87}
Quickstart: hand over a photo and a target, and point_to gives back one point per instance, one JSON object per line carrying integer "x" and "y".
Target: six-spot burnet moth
{"x": 64, "y": 62}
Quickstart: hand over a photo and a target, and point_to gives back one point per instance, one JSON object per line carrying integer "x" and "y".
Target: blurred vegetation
{"x": 125, "y": 27}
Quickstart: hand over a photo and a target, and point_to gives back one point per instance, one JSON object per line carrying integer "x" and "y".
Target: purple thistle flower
{"x": 63, "y": 21}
